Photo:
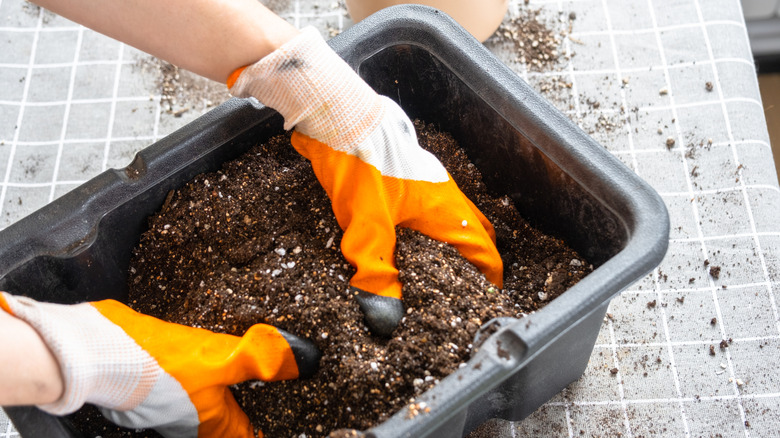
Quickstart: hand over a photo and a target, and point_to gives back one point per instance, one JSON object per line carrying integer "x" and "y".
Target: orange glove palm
{"x": 147, "y": 373}
{"x": 364, "y": 151}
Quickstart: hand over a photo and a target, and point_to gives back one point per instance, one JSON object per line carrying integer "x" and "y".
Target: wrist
{"x": 98, "y": 363}
{"x": 31, "y": 373}
{"x": 270, "y": 42}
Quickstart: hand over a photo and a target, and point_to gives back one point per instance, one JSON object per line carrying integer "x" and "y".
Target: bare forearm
{"x": 209, "y": 37}
{"x": 30, "y": 373}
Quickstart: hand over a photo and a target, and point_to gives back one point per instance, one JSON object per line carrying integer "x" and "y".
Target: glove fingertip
{"x": 307, "y": 356}
{"x": 382, "y": 313}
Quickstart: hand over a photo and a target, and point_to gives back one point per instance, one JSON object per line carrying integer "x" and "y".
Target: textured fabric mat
{"x": 667, "y": 86}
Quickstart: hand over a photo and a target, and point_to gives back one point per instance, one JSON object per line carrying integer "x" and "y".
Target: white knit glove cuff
{"x": 314, "y": 90}
{"x": 99, "y": 363}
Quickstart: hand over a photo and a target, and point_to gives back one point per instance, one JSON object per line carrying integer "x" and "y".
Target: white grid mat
{"x": 74, "y": 103}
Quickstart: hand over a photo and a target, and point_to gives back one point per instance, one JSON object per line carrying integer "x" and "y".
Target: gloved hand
{"x": 146, "y": 373}
{"x": 364, "y": 152}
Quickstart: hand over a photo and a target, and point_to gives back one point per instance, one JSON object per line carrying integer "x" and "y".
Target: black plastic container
{"x": 78, "y": 247}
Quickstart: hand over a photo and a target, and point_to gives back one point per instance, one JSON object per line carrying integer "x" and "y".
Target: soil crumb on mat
{"x": 181, "y": 91}
{"x": 536, "y": 38}
{"x": 257, "y": 242}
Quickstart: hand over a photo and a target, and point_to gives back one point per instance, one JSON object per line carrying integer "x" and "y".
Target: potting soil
{"x": 257, "y": 242}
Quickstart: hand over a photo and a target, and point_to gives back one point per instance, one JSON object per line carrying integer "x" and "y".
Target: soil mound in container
{"x": 257, "y": 242}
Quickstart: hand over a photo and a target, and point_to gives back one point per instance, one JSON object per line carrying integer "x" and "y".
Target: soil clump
{"x": 535, "y": 42}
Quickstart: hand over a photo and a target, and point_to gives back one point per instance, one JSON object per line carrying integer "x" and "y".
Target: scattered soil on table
{"x": 535, "y": 43}
{"x": 543, "y": 41}
{"x": 35, "y": 10}
{"x": 257, "y": 242}
{"x": 182, "y": 91}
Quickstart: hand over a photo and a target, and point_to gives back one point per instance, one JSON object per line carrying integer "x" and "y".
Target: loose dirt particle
{"x": 535, "y": 44}
{"x": 715, "y": 272}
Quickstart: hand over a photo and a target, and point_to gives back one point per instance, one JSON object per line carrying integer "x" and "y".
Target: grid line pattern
{"x": 696, "y": 216}
{"x": 74, "y": 103}
{"x": 6, "y": 429}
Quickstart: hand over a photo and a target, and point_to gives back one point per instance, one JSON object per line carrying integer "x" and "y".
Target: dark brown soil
{"x": 715, "y": 272}
{"x": 258, "y": 242}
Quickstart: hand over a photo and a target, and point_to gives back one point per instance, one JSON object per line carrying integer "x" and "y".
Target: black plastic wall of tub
{"x": 78, "y": 247}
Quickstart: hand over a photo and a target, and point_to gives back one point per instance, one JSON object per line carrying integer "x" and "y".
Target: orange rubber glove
{"x": 364, "y": 151}
{"x": 146, "y": 373}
